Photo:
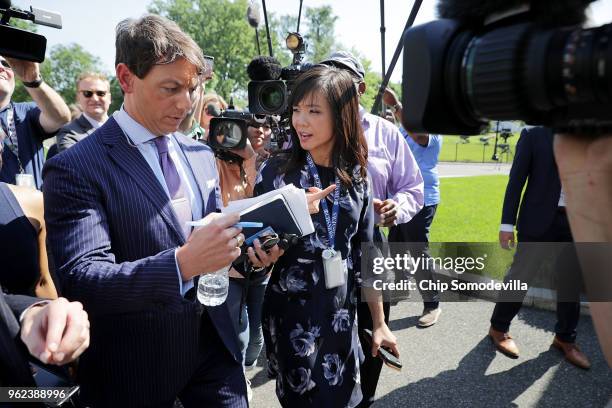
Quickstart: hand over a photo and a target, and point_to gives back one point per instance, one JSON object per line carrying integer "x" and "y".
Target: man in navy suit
{"x": 116, "y": 207}
{"x": 542, "y": 219}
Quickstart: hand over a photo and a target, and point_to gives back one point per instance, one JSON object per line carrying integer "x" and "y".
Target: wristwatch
{"x": 34, "y": 84}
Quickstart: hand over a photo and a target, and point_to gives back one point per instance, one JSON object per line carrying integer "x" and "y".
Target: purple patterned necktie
{"x": 176, "y": 188}
{"x": 173, "y": 180}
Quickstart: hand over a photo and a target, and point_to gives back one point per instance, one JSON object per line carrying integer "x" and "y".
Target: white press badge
{"x": 334, "y": 270}
{"x": 25, "y": 180}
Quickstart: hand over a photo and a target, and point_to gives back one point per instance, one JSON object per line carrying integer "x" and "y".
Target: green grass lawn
{"x": 454, "y": 149}
{"x": 470, "y": 211}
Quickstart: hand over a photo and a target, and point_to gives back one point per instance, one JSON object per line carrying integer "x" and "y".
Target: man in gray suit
{"x": 94, "y": 99}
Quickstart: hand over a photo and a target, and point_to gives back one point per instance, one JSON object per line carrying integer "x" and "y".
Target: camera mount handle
{"x": 398, "y": 50}
{"x": 382, "y": 36}
{"x": 265, "y": 12}
{"x": 9, "y": 12}
{"x": 297, "y": 30}
{"x": 35, "y": 15}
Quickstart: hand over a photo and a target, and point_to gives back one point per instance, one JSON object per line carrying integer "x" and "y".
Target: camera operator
{"x": 211, "y": 105}
{"x": 24, "y": 125}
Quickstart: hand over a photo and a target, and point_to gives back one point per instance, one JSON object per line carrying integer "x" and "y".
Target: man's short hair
{"x": 154, "y": 40}
{"x": 91, "y": 75}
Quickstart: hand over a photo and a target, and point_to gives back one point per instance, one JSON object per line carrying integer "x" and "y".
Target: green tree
{"x": 320, "y": 34}
{"x": 116, "y": 95}
{"x": 220, "y": 28}
{"x": 63, "y": 66}
{"x": 60, "y": 70}
{"x": 373, "y": 80}
{"x": 279, "y": 27}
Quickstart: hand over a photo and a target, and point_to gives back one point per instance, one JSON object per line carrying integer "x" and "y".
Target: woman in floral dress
{"x": 311, "y": 331}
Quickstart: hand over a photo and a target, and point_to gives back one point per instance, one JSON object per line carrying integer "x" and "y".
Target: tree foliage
{"x": 221, "y": 29}
{"x": 60, "y": 70}
{"x": 320, "y": 33}
{"x": 64, "y": 65}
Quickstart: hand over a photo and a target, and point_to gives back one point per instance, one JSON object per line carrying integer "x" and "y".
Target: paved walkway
{"x": 453, "y": 169}
{"x": 454, "y": 364}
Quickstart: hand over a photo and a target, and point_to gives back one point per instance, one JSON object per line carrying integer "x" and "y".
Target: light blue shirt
{"x": 143, "y": 139}
{"x": 427, "y": 159}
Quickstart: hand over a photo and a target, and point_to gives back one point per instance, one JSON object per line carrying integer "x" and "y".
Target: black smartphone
{"x": 384, "y": 354}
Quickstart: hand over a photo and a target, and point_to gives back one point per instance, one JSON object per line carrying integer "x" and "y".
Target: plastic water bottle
{"x": 213, "y": 287}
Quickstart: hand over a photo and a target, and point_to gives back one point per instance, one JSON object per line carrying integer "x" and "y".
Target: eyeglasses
{"x": 5, "y": 64}
{"x": 89, "y": 94}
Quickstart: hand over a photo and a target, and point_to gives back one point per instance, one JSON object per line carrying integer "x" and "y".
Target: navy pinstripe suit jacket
{"x": 113, "y": 233}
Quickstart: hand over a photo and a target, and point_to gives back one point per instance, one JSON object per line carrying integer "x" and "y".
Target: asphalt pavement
{"x": 454, "y": 364}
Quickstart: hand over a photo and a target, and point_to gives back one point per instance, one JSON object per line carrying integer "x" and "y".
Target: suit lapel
{"x": 130, "y": 160}
{"x": 85, "y": 125}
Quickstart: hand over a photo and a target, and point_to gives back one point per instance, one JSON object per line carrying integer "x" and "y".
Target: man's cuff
{"x": 506, "y": 228}
{"x": 184, "y": 286}
{"x": 41, "y": 303}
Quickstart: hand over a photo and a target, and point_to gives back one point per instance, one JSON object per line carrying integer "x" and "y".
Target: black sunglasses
{"x": 5, "y": 64}
{"x": 89, "y": 94}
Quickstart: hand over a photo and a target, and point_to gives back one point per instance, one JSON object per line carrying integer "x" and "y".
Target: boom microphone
{"x": 264, "y": 68}
{"x": 253, "y": 14}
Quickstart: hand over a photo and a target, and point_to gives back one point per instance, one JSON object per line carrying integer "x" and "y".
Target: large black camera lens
{"x": 227, "y": 133}
{"x": 560, "y": 77}
{"x": 272, "y": 97}
{"x": 267, "y": 97}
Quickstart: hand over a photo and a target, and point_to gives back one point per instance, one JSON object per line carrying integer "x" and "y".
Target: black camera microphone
{"x": 264, "y": 68}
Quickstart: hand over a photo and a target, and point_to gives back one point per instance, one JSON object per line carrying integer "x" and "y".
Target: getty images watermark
{"x": 459, "y": 265}
{"x": 462, "y": 271}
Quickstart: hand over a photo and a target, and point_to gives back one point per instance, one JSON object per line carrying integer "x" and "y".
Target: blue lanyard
{"x": 333, "y": 220}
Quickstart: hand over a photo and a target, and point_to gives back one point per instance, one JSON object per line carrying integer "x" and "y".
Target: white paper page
{"x": 295, "y": 198}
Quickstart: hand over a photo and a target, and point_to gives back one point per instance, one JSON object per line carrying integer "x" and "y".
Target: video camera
{"x": 270, "y": 84}
{"x": 22, "y": 44}
{"x": 228, "y": 131}
{"x": 508, "y": 60}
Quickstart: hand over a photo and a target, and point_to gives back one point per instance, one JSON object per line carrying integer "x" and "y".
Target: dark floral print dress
{"x": 311, "y": 332}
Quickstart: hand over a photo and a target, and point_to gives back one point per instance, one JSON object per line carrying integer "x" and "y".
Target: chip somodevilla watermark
{"x": 459, "y": 265}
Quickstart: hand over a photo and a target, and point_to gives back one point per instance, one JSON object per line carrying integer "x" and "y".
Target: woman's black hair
{"x": 350, "y": 150}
